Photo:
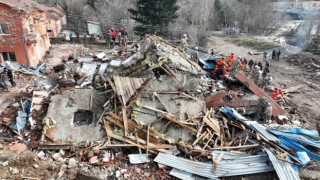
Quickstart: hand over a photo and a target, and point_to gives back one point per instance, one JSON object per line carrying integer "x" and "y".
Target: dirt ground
{"x": 284, "y": 75}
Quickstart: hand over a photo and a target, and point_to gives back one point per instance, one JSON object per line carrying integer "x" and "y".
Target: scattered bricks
{"x": 93, "y": 160}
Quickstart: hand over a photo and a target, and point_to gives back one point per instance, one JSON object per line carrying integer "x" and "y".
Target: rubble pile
{"x": 153, "y": 113}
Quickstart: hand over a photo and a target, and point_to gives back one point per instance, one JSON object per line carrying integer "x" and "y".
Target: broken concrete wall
{"x": 63, "y": 108}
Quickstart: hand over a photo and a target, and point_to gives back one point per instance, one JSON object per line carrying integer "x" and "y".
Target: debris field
{"x": 149, "y": 113}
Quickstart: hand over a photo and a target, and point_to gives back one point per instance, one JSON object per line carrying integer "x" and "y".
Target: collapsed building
{"x": 118, "y": 111}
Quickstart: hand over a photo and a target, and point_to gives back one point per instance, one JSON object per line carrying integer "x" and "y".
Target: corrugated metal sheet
{"x": 228, "y": 155}
{"x": 297, "y": 138}
{"x": 283, "y": 169}
{"x": 310, "y": 133}
{"x": 230, "y": 112}
{"x": 286, "y": 142}
{"x": 257, "y": 165}
{"x": 263, "y": 131}
{"x": 181, "y": 174}
{"x": 137, "y": 158}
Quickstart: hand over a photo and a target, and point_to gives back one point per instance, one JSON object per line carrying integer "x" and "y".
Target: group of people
{"x": 121, "y": 35}
{"x": 228, "y": 66}
{"x": 7, "y": 74}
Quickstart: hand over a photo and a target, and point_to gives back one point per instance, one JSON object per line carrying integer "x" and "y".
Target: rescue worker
{"x": 266, "y": 81}
{"x": 260, "y": 65}
{"x": 264, "y": 110}
{"x": 184, "y": 42}
{"x": 195, "y": 56}
{"x": 278, "y": 54}
{"x": 212, "y": 52}
{"x": 10, "y": 76}
{"x": 256, "y": 75}
{"x": 235, "y": 66}
{"x": 219, "y": 71}
{"x": 277, "y": 93}
{"x": 250, "y": 64}
{"x": 124, "y": 37}
{"x": 230, "y": 60}
{"x": 267, "y": 65}
{"x": 243, "y": 64}
{"x": 274, "y": 54}
{"x": 265, "y": 56}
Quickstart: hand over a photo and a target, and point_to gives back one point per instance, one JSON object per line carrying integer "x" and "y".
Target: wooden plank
{"x": 199, "y": 138}
{"x": 236, "y": 147}
{"x": 212, "y": 123}
{"x": 148, "y": 130}
{"x": 217, "y": 161}
{"x": 137, "y": 139}
{"x": 125, "y": 119}
{"x": 181, "y": 124}
{"x": 130, "y": 142}
{"x": 138, "y": 93}
{"x": 108, "y": 131}
{"x": 111, "y": 84}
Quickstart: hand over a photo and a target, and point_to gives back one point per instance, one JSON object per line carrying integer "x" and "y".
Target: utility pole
{"x": 296, "y": 4}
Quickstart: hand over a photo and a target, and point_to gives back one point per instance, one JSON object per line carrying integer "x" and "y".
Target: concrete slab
{"x": 62, "y": 109}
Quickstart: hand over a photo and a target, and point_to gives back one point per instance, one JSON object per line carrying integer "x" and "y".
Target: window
{"x": 4, "y": 29}
{"x": 9, "y": 56}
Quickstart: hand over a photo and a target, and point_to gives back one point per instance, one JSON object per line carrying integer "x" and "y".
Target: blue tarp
{"x": 207, "y": 65}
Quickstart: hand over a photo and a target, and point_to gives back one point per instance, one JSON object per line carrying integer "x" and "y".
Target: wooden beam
{"x": 137, "y": 138}
{"x": 148, "y": 130}
{"x": 236, "y": 147}
{"x": 125, "y": 119}
{"x": 181, "y": 124}
{"x": 217, "y": 161}
{"x": 108, "y": 130}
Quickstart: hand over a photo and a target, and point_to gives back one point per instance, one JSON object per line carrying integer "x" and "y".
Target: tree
{"x": 154, "y": 16}
{"x": 224, "y": 14}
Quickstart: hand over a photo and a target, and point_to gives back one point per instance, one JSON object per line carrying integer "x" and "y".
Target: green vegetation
{"x": 154, "y": 16}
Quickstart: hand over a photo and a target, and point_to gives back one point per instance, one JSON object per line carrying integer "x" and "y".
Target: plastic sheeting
{"x": 21, "y": 120}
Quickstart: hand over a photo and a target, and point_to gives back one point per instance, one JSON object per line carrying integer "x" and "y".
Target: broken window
{"x": 4, "y": 29}
{"x": 9, "y": 56}
{"x": 82, "y": 118}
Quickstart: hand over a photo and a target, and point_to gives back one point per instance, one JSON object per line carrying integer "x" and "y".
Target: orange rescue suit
{"x": 230, "y": 60}
{"x": 276, "y": 93}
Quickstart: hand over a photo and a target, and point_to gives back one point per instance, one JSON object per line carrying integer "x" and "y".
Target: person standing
{"x": 113, "y": 36}
{"x": 274, "y": 54}
{"x": 265, "y": 56}
{"x": 212, "y": 52}
{"x": 70, "y": 37}
{"x": 124, "y": 35}
{"x": 278, "y": 54}
{"x": 250, "y": 64}
{"x": 184, "y": 42}
{"x": 10, "y": 76}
